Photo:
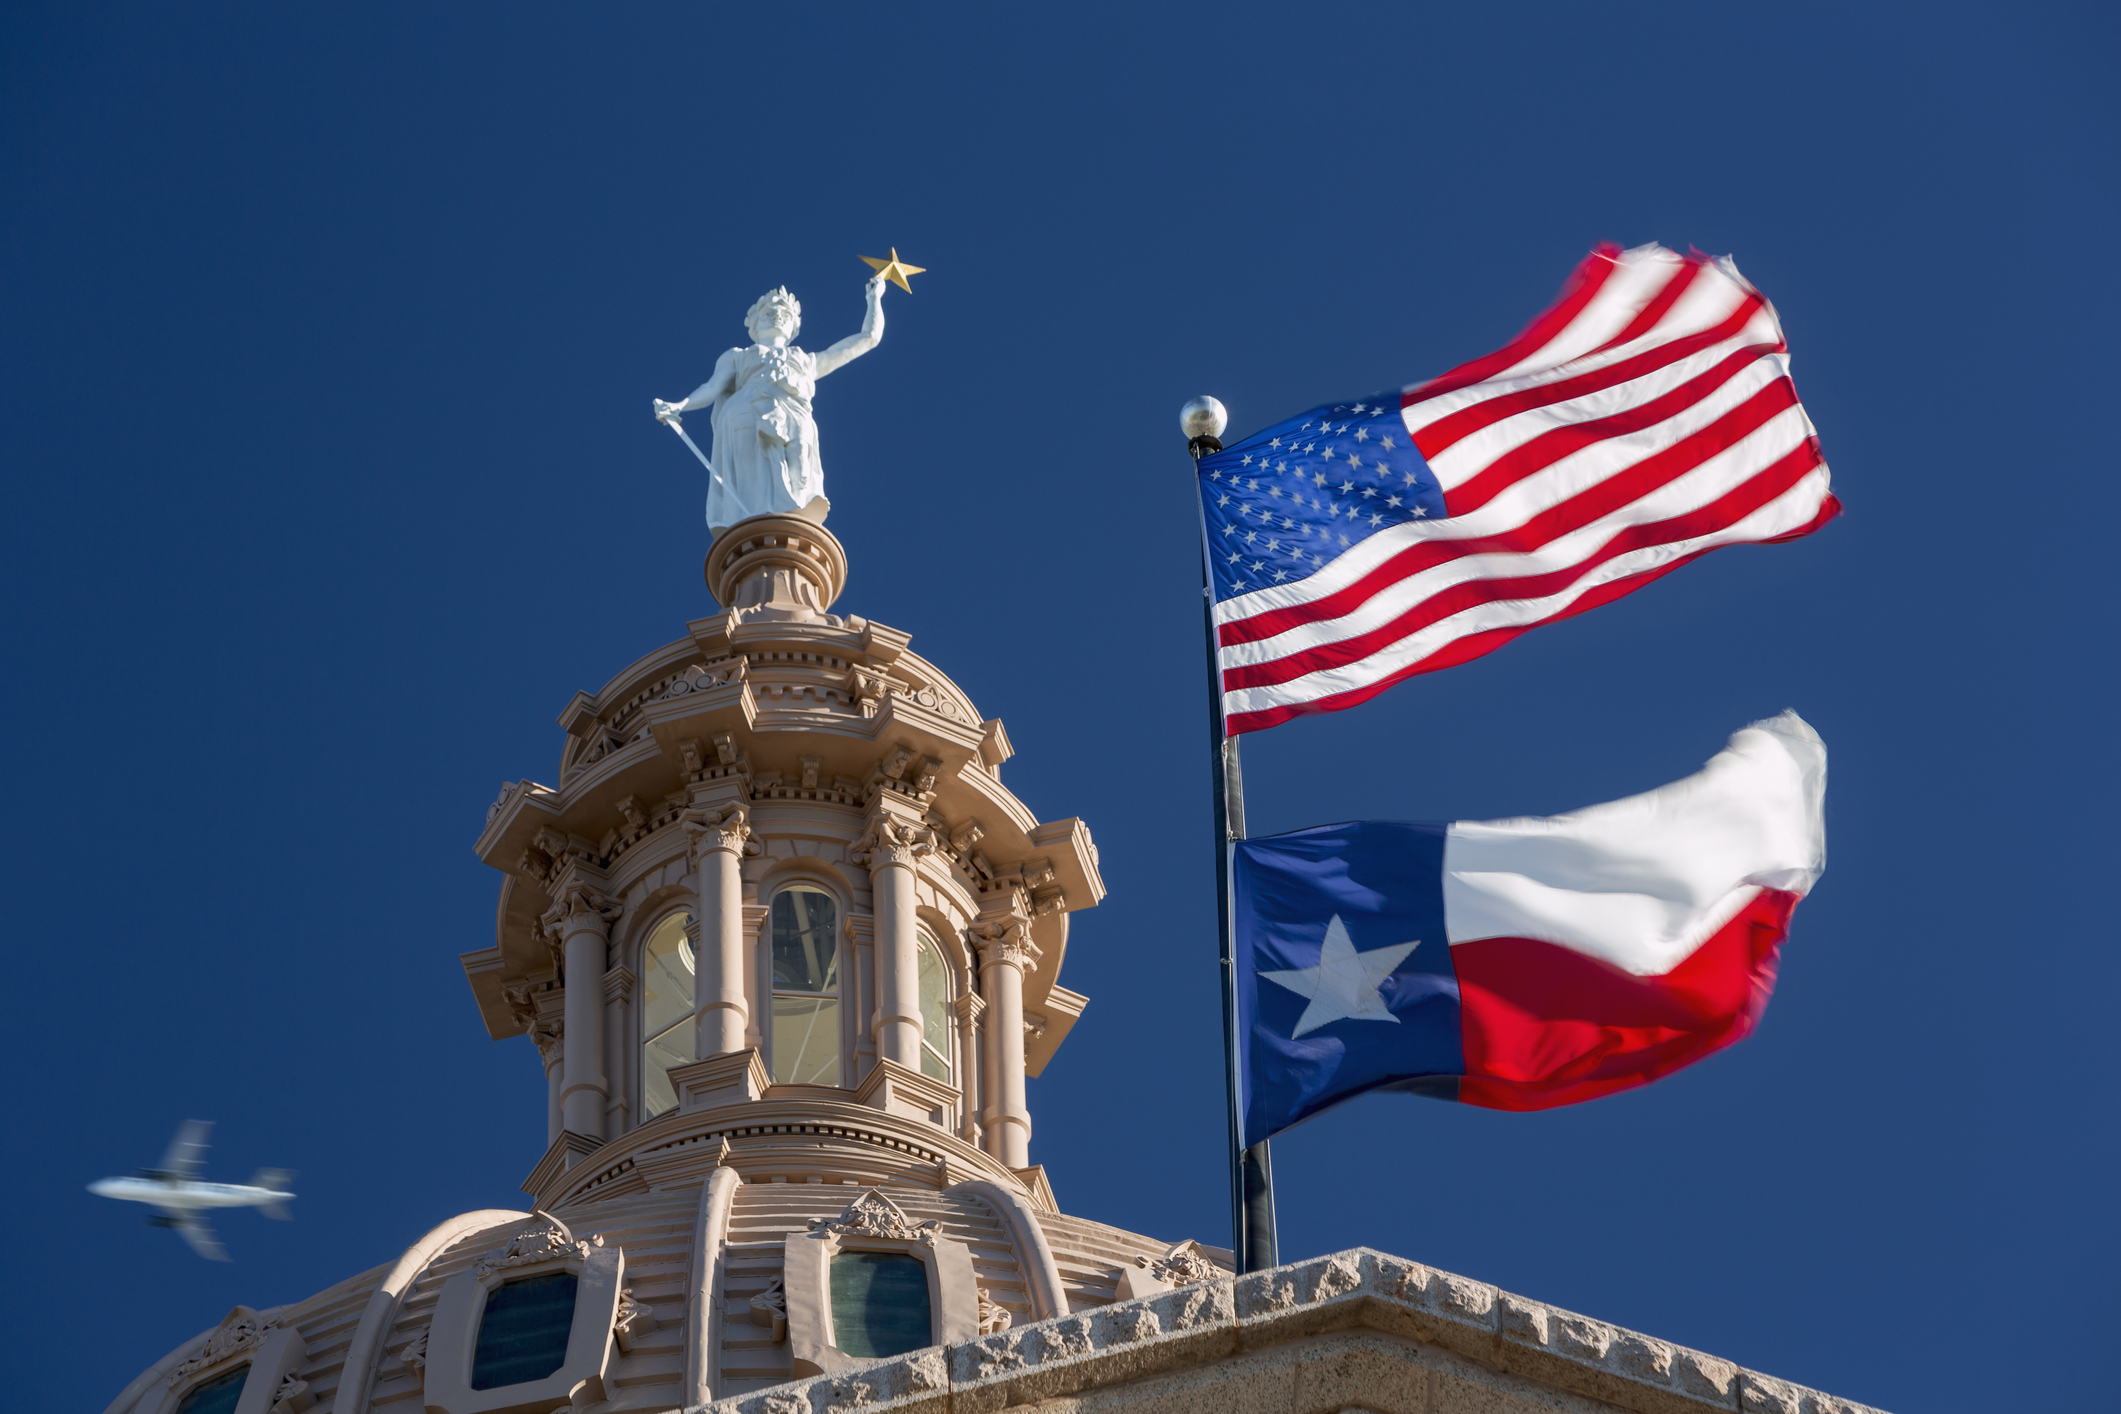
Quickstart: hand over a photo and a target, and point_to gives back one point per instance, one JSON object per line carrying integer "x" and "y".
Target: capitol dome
{"x": 785, "y": 948}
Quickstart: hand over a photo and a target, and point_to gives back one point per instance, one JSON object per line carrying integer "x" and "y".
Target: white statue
{"x": 765, "y": 456}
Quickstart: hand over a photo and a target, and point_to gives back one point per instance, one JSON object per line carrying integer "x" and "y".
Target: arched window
{"x": 935, "y": 1010}
{"x": 523, "y": 1330}
{"x": 666, "y": 1012}
{"x": 804, "y": 935}
{"x": 217, "y": 1395}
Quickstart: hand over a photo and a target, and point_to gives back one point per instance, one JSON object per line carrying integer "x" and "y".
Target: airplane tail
{"x": 274, "y": 1180}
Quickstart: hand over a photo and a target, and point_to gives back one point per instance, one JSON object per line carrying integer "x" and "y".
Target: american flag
{"x": 1645, "y": 419}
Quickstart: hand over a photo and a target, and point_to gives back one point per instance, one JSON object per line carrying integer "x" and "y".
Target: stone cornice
{"x": 1436, "y": 1323}
{"x": 773, "y": 1135}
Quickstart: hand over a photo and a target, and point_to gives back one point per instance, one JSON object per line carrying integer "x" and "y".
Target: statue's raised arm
{"x": 855, "y": 345}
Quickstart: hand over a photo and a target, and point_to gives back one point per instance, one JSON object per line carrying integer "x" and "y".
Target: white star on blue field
{"x": 1283, "y": 502}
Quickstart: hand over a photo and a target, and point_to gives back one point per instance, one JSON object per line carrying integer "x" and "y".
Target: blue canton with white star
{"x": 1284, "y": 502}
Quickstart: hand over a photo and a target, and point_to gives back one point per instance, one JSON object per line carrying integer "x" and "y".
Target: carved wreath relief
{"x": 874, "y": 1215}
{"x": 537, "y": 1244}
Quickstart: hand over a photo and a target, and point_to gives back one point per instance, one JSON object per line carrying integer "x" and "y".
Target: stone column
{"x": 547, "y": 1035}
{"x": 892, "y": 847}
{"x": 720, "y": 1011}
{"x": 1004, "y": 952}
{"x": 585, "y": 936}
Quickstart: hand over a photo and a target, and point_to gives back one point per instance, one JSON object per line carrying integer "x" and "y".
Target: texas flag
{"x": 1522, "y": 964}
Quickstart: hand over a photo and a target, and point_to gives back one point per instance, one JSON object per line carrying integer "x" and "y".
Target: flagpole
{"x": 1251, "y": 1169}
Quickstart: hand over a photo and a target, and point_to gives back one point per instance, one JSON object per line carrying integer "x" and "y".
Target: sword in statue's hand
{"x": 667, "y": 413}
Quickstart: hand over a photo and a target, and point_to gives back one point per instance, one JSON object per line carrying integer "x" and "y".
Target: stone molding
{"x": 1034, "y": 1254}
{"x": 1358, "y": 1291}
{"x": 681, "y": 1147}
{"x": 703, "y": 1292}
{"x": 775, "y": 567}
{"x": 560, "y": 1155}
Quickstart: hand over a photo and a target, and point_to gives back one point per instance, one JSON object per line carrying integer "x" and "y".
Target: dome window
{"x": 806, "y": 985}
{"x": 880, "y": 1304}
{"x": 666, "y": 1011}
{"x": 217, "y": 1395}
{"x": 523, "y": 1332}
{"x": 935, "y": 1010}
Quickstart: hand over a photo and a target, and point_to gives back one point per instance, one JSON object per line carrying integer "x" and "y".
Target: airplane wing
{"x": 187, "y": 1152}
{"x": 195, "y": 1231}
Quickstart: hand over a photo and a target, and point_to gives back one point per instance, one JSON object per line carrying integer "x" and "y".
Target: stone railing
{"x": 1321, "y": 1335}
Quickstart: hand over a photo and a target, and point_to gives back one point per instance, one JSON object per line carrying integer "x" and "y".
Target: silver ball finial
{"x": 1202, "y": 417}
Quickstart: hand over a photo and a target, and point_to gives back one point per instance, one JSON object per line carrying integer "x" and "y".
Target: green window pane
{"x": 935, "y": 990}
{"x": 218, "y": 1395}
{"x": 805, "y": 941}
{"x": 673, "y": 1047}
{"x": 933, "y": 1065}
{"x": 523, "y": 1333}
{"x": 666, "y": 975}
{"x": 880, "y": 1303}
{"x": 935, "y": 1010}
{"x": 806, "y": 1040}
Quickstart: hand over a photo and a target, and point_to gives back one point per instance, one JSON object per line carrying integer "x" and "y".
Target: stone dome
{"x": 798, "y": 821}
{"x": 786, "y": 949}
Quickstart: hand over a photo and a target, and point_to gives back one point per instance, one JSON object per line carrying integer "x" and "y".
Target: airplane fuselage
{"x": 186, "y": 1195}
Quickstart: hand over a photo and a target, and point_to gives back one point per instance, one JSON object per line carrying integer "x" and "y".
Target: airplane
{"x": 174, "y": 1189}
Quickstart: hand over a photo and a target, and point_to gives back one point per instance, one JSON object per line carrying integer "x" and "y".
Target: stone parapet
{"x": 1356, "y": 1328}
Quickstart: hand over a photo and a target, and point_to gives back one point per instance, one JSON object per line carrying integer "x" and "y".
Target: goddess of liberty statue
{"x": 765, "y": 457}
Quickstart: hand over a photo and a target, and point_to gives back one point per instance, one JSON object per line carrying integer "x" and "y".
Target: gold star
{"x": 894, "y": 269}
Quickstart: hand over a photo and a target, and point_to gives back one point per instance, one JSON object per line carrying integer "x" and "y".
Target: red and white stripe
{"x": 1645, "y": 419}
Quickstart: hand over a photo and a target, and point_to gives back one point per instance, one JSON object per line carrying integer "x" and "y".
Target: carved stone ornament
{"x": 1006, "y": 941}
{"x": 579, "y": 901}
{"x": 292, "y": 1397}
{"x": 1183, "y": 1265}
{"x": 992, "y": 1317}
{"x": 522, "y": 1005}
{"x": 537, "y": 1244}
{"x": 546, "y": 1035}
{"x": 888, "y": 841}
{"x": 634, "y": 1320}
{"x": 242, "y": 1329}
{"x": 724, "y": 830}
{"x": 699, "y": 678}
{"x": 874, "y": 1215}
{"x": 414, "y": 1354}
{"x": 770, "y": 1309}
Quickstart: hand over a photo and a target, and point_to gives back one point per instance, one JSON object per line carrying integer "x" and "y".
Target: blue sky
{"x": 329, "y": 339}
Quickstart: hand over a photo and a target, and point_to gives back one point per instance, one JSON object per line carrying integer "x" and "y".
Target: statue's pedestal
{"x": 784, "y": 568}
